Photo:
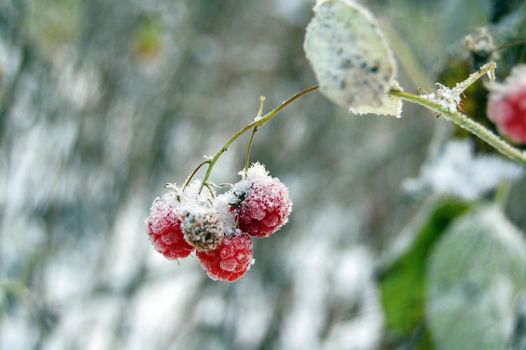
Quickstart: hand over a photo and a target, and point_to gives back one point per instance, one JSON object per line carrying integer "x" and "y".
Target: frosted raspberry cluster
{"x": 507, "y": 106}
{"x": 219, "y": 229}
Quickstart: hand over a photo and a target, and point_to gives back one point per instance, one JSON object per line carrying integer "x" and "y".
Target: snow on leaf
{"x": 475, "y": 276}
{"x": 351, "y": 59}
{"x": 460, "y": 173}
{"x": 400, "y": 275}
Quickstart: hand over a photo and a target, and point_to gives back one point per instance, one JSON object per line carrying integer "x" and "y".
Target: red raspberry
{"x": 265, "y": 208}
{"x": 230, "y": 261}
{"x": 507, "y": 106}
{"x": 164, "y": 228}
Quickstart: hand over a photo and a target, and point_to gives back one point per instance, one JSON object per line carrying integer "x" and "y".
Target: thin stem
{"x": 488, "y": 68}
{"x": 256, "y": 123}
{"x": 466, "y": 123}
{"x": 210, "y": 189}
{"x": 194, "y": 172}
{"x": 511, "y": 44}
{"x": 249, "y": 147}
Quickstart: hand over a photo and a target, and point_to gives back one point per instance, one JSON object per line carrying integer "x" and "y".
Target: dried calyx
{"x": 203, "y": 230}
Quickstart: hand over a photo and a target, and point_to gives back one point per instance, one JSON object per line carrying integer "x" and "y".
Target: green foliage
{"x": 402, "y": 283}
{"x": 475, "y": 277}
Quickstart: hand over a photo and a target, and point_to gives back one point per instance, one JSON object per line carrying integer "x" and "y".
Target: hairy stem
{"x": 488, "y": 68}
{"x": 466, "y": 123}
{"x": 256, "y": 123}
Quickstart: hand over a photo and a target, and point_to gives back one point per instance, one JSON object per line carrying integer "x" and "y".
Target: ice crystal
{"x": 449, "y": 98}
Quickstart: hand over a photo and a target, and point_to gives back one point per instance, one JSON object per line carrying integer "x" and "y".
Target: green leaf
{"x": 353, "y": 64}
{"x": 402, "y": 280}
{"x": 476, "y": 274}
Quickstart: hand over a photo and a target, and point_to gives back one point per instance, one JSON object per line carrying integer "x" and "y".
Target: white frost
{"x": 350, "y": 57}
{"x": 447, "y": 98}
{"x": 177, "y": 202}
{"x": 223, "y": 203}
{"x": 457, "y": 171}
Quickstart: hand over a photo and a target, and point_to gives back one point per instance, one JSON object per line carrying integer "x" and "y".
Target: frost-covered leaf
{"x": 458, "y": 172}
{"x": 351, "y": 59}
{"x": 402, "y": 270}
{"x": 475, "y": 277}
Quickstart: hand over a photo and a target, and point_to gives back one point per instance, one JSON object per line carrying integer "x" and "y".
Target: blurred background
{"x": 104, "y": 102}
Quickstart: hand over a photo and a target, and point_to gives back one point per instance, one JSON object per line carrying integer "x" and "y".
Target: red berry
{"x": 164, "y": 228}
{"x": 507, "y": 106}
{"x": 265, "y": 208}
{"x": 230, "y": 261}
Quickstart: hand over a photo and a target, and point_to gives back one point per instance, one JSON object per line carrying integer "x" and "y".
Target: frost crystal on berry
{"x": 203, "y": 230}
{"x": 166, "y": 216}
{"x": 164, "y": 227}
{"x": 231, "y": 260}
{"x": 224, "y": 208}
{"x": 507, "y": 105}
{"x": 263, "y": 202}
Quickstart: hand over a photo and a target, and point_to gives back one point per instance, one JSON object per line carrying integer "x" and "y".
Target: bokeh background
{"x": 103, "y": 102}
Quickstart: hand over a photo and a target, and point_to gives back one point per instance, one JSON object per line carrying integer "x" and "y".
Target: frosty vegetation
{"x": 351, "y": 58}
{"x": 458, "y": 172}
{"x": 104, "y": 102}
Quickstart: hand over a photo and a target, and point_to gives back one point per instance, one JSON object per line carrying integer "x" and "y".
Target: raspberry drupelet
{"x": 230, "y": 261}
{"x": 507, "y": 106}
